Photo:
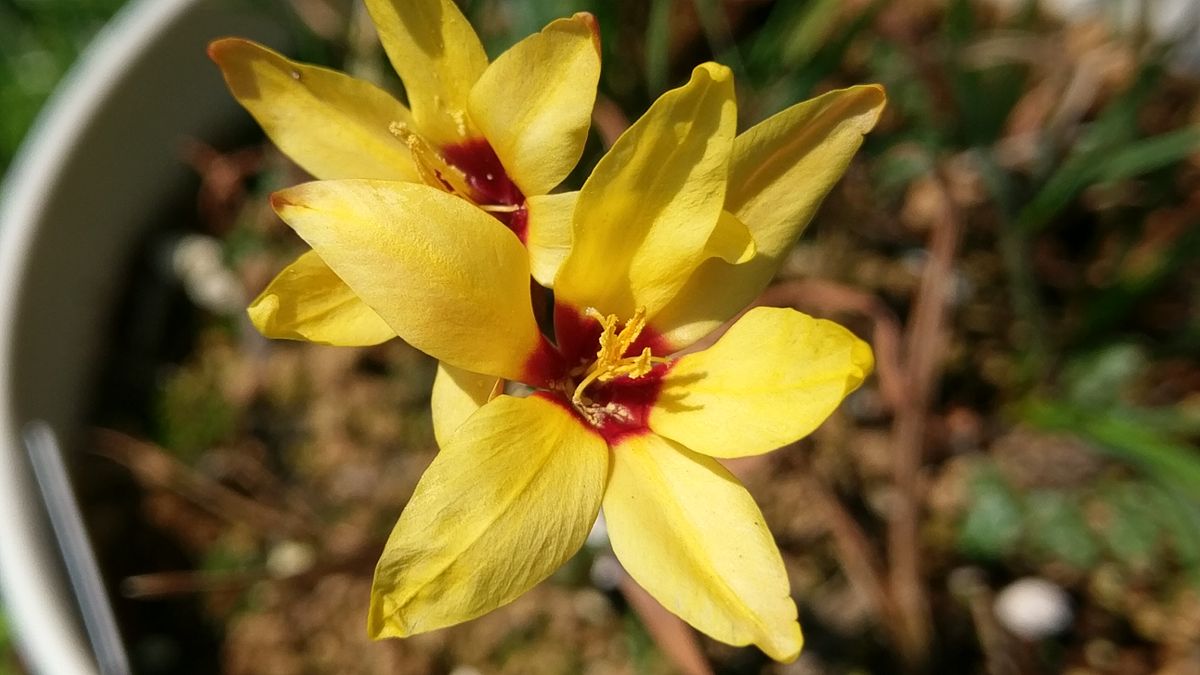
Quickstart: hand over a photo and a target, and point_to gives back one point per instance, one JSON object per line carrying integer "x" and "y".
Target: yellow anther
{"x": 611, "y": 361}
{"x": 638, "y": 365}
{"x": 460, "y": 122}
{"x": 399, "y": 130}
{"x": 613, "y": 345}
{"x": 431, "y": 166}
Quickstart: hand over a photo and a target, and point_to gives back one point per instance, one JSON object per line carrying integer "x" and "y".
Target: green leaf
{"x": 794, "y": 33}
{"x": 1111, "y": 135}
{"x": 1120, "y": 434}
{"x": 1099, "y": 378}
{"x": 1150, "y": 154}
{"x": 1056, "y": 529}
{"x": 992, "y": 524}
{"x": 983, "y": 98}
{"x": 525, "y": 18}
{"x": 1117, "y": 124}
{"x": 909, "y": 97}
{"x": 1106, "y": 164}
{"x": 1181, "y": 421}
{"x": 192, "y": 412}
{"x": 1180, "y": 519}
{"x": 826, "y": 60}
{"x": 658, "y": 45}
{"x": 1134, "y": 528}
{"x": 1113, "y": 304}
{"x": 899, "y": 166}
{"x": 719, "y": 35}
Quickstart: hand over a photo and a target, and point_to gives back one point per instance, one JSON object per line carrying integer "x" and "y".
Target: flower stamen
{"x": 611, "y": 361}
{"x": 500, "y": 208}
{"x": 433, "y": 168}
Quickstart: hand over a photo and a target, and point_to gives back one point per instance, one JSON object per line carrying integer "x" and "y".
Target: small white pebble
{"x": 195, "y": 254}
{"x": 289, "y": 558}
{"x": 197, "y": 262}
{"x": 1033, "y": 608}
{"x": 219, "y": 293}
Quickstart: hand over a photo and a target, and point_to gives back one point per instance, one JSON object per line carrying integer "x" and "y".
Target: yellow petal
{"x": 781, "y": 170}
{"x": 534, "y": 103}
{"x": 645, "y": 215}
{"x": 450, "y": 280}
{"x": 783, "y": 167}
{"x": 548, "y": 237}
{"x": 770, "y": 380}
{"x": 438, "y": 55}
{"x": 690, "y": 534}
{"x": 307, "y": 301}
{"x": 457, "y": 394}
{"x": 332, "y": 125}
{"x": 508, "y": 499}
{"x": 731, "y": 240}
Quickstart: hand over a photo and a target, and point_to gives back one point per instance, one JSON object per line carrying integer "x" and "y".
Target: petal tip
{"x": 871, "y": 100}
{"x": 223, "y": 49}
{"x": 262, "y": 311}
{"x": 715, "y": 71}
{"x": 385, "y": 619}
{"x": 864, "y": 358}
{"x": 219, "y": 48}
{"x": 588, "y": 19}
{"x": 880, "y": 98}
{"x": 279, "y": 201}
{"x": 377, "y": 627}
{"x": 214, "y": 50}
{"x": 784, "y": 648}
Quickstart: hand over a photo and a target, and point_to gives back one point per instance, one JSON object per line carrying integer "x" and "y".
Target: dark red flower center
{"x": 595, "y": 388}
{"x": 489, "y": 183}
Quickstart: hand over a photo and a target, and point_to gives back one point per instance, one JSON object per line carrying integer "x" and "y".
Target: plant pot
{"x": 100, "y": 166}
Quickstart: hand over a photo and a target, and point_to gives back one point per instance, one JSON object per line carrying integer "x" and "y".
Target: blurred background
{"x": 39, "y": 40}
{"x": 1016, "y": 490}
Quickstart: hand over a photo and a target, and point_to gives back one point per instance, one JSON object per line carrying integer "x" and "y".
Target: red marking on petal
{"x": 485, "y": 173}
{"x": 630, "y": 399}
{"x": 657, "y": 342}
{"x": 578, "y": 337}
{"x": 576, "y": 334}
{"x": 619, "y": 408}
{"x": 489, "y": 182}
{"x": 544, "y": 367}
{"x": 634, "y": 397}
{"x": 517, "y": 221}
{"x": 565, "y": 403}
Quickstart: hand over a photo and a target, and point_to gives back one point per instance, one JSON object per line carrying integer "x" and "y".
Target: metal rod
{"x": 45, "y": 455}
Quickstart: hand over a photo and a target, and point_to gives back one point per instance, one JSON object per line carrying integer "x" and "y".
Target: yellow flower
{"x": 620, "y": 418}
{"x": 499, "y": 135}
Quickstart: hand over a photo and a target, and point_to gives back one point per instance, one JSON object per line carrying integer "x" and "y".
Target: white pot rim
{"x": 45, "y": 619}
